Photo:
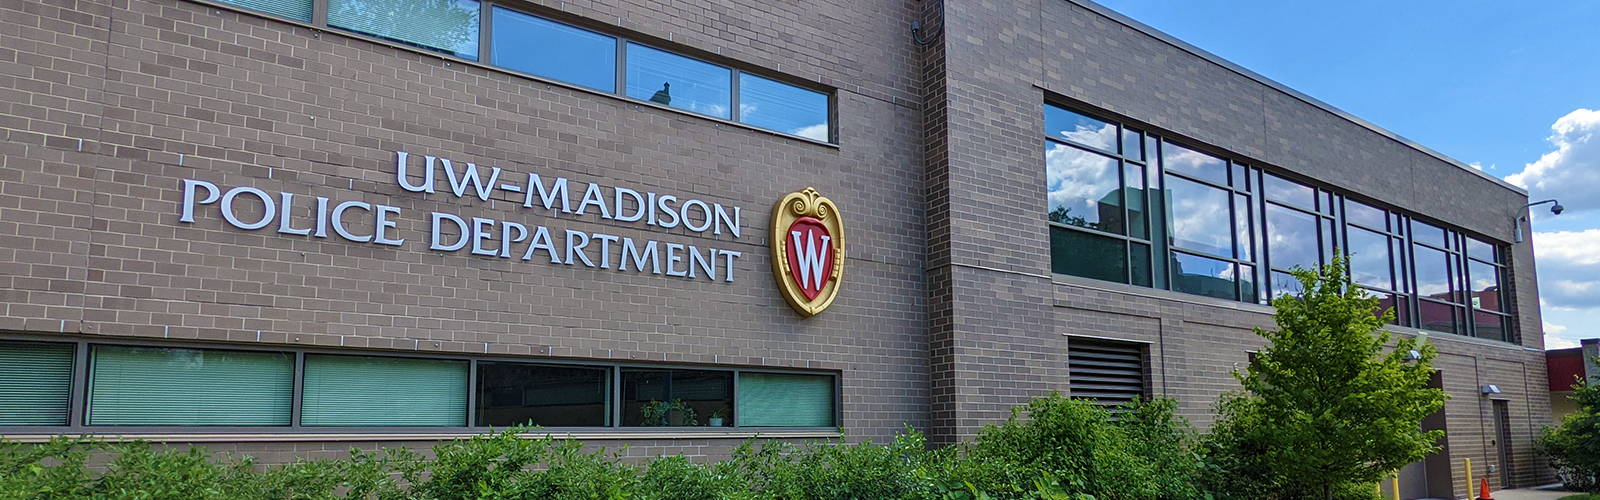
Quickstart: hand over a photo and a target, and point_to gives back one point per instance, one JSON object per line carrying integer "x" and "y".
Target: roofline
{"x": 1214, "y": 59}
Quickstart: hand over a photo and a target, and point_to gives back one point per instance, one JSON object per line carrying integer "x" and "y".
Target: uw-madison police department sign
{"x": 807, "y": 238}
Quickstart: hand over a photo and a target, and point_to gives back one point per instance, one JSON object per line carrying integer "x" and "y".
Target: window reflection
{"x": 1079, "y": 253}
{"x": 1288, "y": 192}
{"x": 558, "y": 51}
{"x": 1291, "y": 238}
{"x": 1359, "y": 213}
{"x": 672, "y": 80}
{"x": 1084, "y": 188}
{"x": 782, "y": 107}
{"x": 1478, "y": 249}
{"x": 1060, "y": 123}
{"x": 1183, "y": 160}
{"x": 674, "y": 397}
{"x": 551, "y": 396}
{"x": 1485, "y": 285}
{"x": 1285, "y": 284}
{"x": 449, "y": 26}
{"x": 292, "y": 9}
{"x": 1437, "y": 317}
{"x": 1200, "y": 219}
{"x": 1433, "y": 273}
{"x": 1489, "y": 326}
{"x": 1427, "y": 233}
{"x": 1203, "y": 276}
{"x": 1369, "y": 258}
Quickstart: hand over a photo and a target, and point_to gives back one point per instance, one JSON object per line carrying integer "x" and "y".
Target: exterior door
{"x": 1502, "y": 434}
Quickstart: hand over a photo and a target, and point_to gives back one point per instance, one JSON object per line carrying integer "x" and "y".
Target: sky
{"x": 1510, "y": 88}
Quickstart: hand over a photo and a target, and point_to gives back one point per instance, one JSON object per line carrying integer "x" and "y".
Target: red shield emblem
{"x": 807, "y": 250}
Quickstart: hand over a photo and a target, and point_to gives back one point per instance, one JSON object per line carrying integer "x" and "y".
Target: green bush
{"x": 1574, "y": 446}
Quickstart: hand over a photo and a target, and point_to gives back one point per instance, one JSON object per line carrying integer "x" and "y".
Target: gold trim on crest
{"x": 806, "y": 203}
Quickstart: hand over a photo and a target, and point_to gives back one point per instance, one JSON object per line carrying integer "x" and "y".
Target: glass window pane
{"x": 382, "y": 392}
{"x": 1084, "y": 188}
{"x": 780, "y": 400}
{"x": 564, "y": 53}
{"x": 1088, "y": 255}
{"x": 155, "y": 386}
{"x": 1133, "y": 175}
{"x": 1423, "y": 232}
{"x": 1478, "y": 249}
{"x": 1485, "y": 285}
{"x": 1203, "y": 276}
{"x": 1247, "y": 283}
{"x": 1140, "y": 262}
{"x": 782, "y": 107}
{"x": 1369, "y": 258}
{"x": 1175, "y": 158}
{"x": 1285, "y": 283}
{"x": 449, "y": 26}
{"x": 1437, "y": 317}
{"x": 1239, "y": 179}
{"x": 1241, "y": 227}
{"x": 672, "y": 80}
{"x": 35, "y": 382}
{"x": 675, "y": 397}
{"x": 1359, "y": 213}
{"x": 546, "y": 395}
{"x": 299, "y": 10}
{"x": 1387, "y": 301}
{"x": 1433, "y": 273}
{"x": 1200, "y": 217}
{"x": 1402, "y": 278}
{"x": 1330, "y": 240}
{"x": 1288, "y": 192}
{"x": 1489, "y": 326}
{"x": 1060, "y": 123}
{"x": 1291, "y": 238}
{"x": 1132, "y": 144}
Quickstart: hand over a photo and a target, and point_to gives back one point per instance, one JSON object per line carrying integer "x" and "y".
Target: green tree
{"x": 1324, "y": 409}
{"x": 1574, "y": 446}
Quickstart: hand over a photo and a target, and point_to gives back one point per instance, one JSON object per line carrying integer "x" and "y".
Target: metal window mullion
{"x": 733, "y": 94}
{"x": 616, "y": 396}
{"x": 485, "y": 28}
{"x": 319, "y": 13}
{"x": 78, "y": 395}
{"x": 622, "y": 67}
{"x": 299, "y": 391}
{"x": 472, "y": 392}
{"x": 734, "y": 401}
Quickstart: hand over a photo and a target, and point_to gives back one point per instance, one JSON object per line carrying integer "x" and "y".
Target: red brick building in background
{"x": 291, "y": 227}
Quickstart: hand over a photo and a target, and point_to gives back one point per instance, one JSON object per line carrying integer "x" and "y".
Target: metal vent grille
{"x": 1109, "y": 372}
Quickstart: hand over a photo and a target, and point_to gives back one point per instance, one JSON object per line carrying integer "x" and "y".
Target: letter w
{"x": 470, "y": 176}
{"x": 811, "y": 259}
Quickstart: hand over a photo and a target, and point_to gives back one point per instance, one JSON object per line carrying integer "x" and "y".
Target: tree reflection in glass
{"x": 1084, "y": 188}
{"x": 449, "y": 26}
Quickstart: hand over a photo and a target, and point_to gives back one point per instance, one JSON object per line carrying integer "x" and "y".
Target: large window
{"x": 1128, "y": 206}
{"x": 566, "y": 53}
{"x": 181, "y": 387}
{"x": 153, "y": 385}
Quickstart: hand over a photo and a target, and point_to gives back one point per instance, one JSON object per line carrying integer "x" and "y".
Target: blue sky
{"x": 1513, "y": 88}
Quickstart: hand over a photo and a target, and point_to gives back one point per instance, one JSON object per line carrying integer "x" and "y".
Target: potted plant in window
{"x": 716, "y": 418}
{"x": 659, "y": 413}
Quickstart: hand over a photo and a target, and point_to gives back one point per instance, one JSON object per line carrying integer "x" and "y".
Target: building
{"x": 1566, "y": 367}
{"x": 289, "y": 227}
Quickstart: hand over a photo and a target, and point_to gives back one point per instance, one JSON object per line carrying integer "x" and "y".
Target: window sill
{"x": 303, "y": 437}
{"x": 1152, "y": 293}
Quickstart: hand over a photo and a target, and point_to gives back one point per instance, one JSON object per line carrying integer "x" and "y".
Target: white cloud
{"x": 1554, "y": 328}
{"x": 1569, "y": 268}
{"x": 1552, "y": 342}
{"x": 1572, "y": 171}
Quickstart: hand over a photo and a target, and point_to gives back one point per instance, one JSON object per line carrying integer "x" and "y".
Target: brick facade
{"x": 949, "y": 314}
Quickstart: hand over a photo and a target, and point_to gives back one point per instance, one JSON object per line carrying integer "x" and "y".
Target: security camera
{"x": 1557, "y": 209}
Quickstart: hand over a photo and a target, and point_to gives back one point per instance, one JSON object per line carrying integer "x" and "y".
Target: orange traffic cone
{"x": 1483, "y": 489}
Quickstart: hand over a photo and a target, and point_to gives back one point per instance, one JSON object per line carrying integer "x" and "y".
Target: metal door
{"x": 1502, "y": 434}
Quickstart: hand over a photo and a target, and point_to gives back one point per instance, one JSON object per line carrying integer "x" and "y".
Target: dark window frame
{"x": 77, "y": 412}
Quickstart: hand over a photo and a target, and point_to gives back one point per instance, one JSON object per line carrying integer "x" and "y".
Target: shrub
{"x": 1574, "y": 446}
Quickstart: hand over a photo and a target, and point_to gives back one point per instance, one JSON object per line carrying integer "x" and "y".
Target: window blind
{"x": 374, "y": 391}
{"x": 292, "y": 9}
{"x": 782, "y": 400}
{"x": 35, "y": 383}
{"x": 152, "y": 386}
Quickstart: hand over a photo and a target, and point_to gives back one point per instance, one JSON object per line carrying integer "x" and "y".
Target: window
{"x": 299, "y": 10}
{"x": 549, "y": 49}
{"x": 447, "y": 26}
{"x": 35, "y": 383}
{"x": 785, "y": 108}
{"x": 165, "y": 386}
{"x": 701, "y": 87}
{"x": 1096, "y": 199}
{"x": 374, "y": 391}
{"x": 1107, "y": 371}
{"x": 785, "y": 400}
{"x": 544, "y": 395}
{"x": 1485, "y": 271}
{"x": 675, "y": 397}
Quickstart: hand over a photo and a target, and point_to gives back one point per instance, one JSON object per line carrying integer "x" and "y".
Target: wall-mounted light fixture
{"x": 1557, "y": 209}
{"x": 1489, "y": 389}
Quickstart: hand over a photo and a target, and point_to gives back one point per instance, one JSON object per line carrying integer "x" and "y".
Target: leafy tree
{"x": 1574, "y": 446}
{"x": 1324, "y": 409}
